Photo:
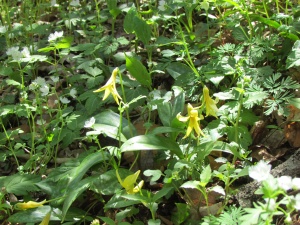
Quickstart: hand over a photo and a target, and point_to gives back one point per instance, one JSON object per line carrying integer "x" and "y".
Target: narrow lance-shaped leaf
{"x": 138, "y": 71}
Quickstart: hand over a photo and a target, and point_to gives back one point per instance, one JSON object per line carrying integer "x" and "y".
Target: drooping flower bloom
{"x": 193, "y": 119}
{"x": 129, "y": 182}
{"x": 110, "y": 87}
{"x": 210, "y": 104}
{"x": 29, "y": 205}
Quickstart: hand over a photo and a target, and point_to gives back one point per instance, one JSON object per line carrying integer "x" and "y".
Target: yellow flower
{"x": 210, "y": 104}
{"x": 29, "y": 205}
{"x": 110, "y": 87}
{"x": 130, "y": 181}
{"x": 193, "y": 119}
{"x": 46, "y": 219}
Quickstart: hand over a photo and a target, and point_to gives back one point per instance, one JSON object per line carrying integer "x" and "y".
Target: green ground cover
{"x": 146, "y": 112}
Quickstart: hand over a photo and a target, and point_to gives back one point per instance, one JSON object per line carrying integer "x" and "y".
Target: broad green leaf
{"x": 181, "y": 214}
{"x": 162, "y": 130}
{"x": 154, "y": 222}
{"x": 295, "y": 102}
{"x": 20, "y": 184}
{"x": 110, "y": 131}
{"x": 64, "y": 43}
{"x": 163, "y": 192}
{"x": 165, "y": 113}
{"x": 129, "y": 20}
{"x": 107, "y": 183}
{"x": 33, "y": 215}
{"x": 176, "y": 69}
{"x": 118, "y": 201}
{"x": 267, "y": 21}
{"x": 151, "y": 142}
{"x": 138, "y": 71}
{"x": 191, "y": 184}
{"x": 142, "y": 30}
{"x": 205, "y": 176}
{"x": 154, "y": 174}
{"x": 73, "y": 192}
{"x": 113, "y": 119}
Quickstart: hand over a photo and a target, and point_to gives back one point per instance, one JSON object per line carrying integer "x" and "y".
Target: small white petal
{"x": 89, "y": 123}
{"x": 260, "y": 172}
{"x": 285, "y": 182}
{"x": 64, "y": 100}
{"x": 296, "y": 183}
{"x": 73, "y": 92}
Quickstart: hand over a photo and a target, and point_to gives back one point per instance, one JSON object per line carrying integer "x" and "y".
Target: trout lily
{"x": 110, "y": 87}
{"x": 46, "y": 219}
{"x": 193, "y": 119}
{"x": 210, "y": 104}
{"x": 29, "y": 205}
{"x": 129, "y": 182}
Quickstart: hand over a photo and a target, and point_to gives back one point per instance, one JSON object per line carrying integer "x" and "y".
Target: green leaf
{"x": 33, "y": 215}
{"x": 73, "y": 192}
{"x": 142, "y": 30}
{"x": 154, "y": 222}
{"x": 191, "y": 184}
{"x": 107, "y": 183}
{"x": 151, "y": 142}
{"x": 110, "y": 131}
{"x": 163, "y": 192}
{"x": 20, "y": 184}
{"x": 129, "y": 20}
{"x": 205, "y": 176}
{"x": 113, "y": 119}
{"x": 295, "y": 102}
{"x": 154, "y": 174}
{"x": 117, "y": 201}
{"x": 64, "y": 43}
{"x": 269, "y": 22}
{"x": 138, "y": 71}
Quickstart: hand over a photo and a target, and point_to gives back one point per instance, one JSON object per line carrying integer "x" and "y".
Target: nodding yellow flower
{"x": 130, "y": 181}
{"x": 110, "y": 87}
{"x": 193, "y": 119}
{"x": 29, "y": 205}
{"x": 210, "y": 104}
{"x": 46, "y": 219}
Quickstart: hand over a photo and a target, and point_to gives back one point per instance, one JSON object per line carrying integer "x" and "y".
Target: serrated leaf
{"x": 138, "y": 71}
{"x": 151, "y": 142}
{"x": 64, "y": 43}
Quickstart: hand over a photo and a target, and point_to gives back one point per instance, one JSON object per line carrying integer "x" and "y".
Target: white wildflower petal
{"x": 285, "y": 182}
{"x": 45, "y": 90}
{"x": 64, "y": 100}
{"x": 25, "y": 52}
{"x": 260, "y": 172}
{"x": 55, "y": 35}
{"x": 40, "y": 81}
{"x": 73, "y": 92}
{"x": 296, "y": 183}
{"x": 161, "y": 5}
{"x": 75, "y": 3}
{"x": 55, "y": 79}
{"x": 271, "y": 183}
{"x": 12, "y": 50}
{"x": 297, "y": 202}
{"x": 89, "y": 123}
{"x": 40, "y": 122}
{"x": 33, "y": 86}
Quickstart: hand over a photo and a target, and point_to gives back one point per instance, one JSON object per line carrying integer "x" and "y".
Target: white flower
{"x": 89, "y": 123}
{"x": 285, "y": 182}
{"x": 25, "y": 52}
{"x": 40, "y": 122}
{"x": 55, "y": 79}
{"x": 64, "y": 100}
{"x": 297, "y": 203}
{"x": 162, "y": 5}
{"x": 260, "y": 172}
{"x": 14, "y": 53}
{"x": 45, "y": 90}
{"x": 53, "y": 3}
{"x": 73, "y": 92}
{"x": 55, "y": 35}
{"x": 75, "y": 3}
{"x": 296, "y": 183}
{"x": 40, "y": 81}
